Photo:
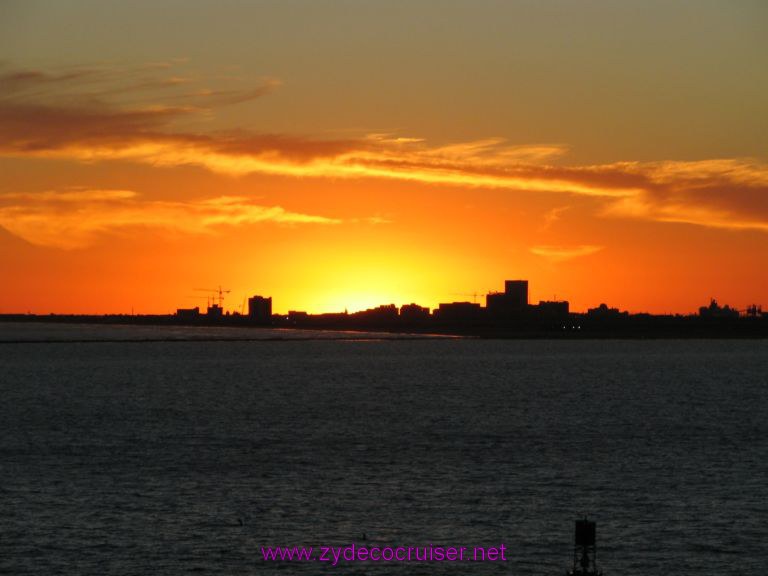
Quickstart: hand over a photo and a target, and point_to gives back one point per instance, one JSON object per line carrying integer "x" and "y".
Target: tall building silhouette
{"x": 260, "y": 309}
{"x": 516, "y": 292}
{"x": 513, "y": 301}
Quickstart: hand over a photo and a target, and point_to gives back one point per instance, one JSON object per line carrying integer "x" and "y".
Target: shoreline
{"x": 647, "y": 328}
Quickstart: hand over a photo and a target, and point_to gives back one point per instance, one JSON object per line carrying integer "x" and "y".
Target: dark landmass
{"x": 506, "y": 314}
{"x": 574, "y": 326}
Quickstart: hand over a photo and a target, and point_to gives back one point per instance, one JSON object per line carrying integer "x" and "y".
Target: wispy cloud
{"x": 76, "y": 114}
{"x": 75, "y": 218}
{"x": 687, "y": 211}
{"x": 116, "y": 86}
{"x": 562, "y": 253}
{"x": 552, "y": 216}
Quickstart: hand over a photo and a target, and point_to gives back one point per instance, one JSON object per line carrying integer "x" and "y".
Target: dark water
{"x": 186, "y": 457}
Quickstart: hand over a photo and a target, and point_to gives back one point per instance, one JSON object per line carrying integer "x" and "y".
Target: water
{"x": 172, "y": 457}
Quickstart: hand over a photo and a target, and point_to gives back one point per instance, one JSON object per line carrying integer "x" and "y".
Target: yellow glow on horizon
{"x": 363, "y": 276}
{"x": 356, "y": 289}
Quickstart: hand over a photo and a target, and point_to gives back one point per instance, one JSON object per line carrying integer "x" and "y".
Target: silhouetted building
{"x": 380, "y": 314}
{"x": 754, "y": 311}
{"x": 458, "y": 313}
{"x": 552, "y": 310}
{"x": 297, "y": 317}
{"x": 604, "y": 312}
{"x": 413, "y": 313}
{"x": 260, "y": 309}
{"x": 215, "y": 311}
{"x": 512, "y": 303}
{"x": 496, "y": 303}
{"x": 517, "y": 293}
{"x": 714, "y": 310}
{"x": 188, "y": 313}
{"x": 329, "y": 318}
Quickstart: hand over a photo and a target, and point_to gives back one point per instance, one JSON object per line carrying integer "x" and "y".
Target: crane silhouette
{"x": 473, "y": 294}
{"x": 218, "y": 293}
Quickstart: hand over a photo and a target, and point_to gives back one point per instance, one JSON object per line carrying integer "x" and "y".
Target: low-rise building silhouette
{"x": 381, "y": 314}
{"x": 459, "y": 313}
{"x": 188, "y": 313}
{"x": 603, "y": 312}
{"x": 214, "y": 311}
{"x": 297, "y": 317}
{"x": 413, "y": 313}
{"x": 714, "y": 310}
{"x": 552, "y": 310}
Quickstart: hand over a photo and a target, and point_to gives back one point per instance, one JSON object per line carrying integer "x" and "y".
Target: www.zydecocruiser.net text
{"x": 333, "y": 555}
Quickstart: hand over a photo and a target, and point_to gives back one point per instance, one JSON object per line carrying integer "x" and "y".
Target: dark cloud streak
{"x": 49, "y": 114}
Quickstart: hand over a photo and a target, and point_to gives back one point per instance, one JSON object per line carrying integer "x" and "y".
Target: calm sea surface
{"x": 173, "y": 451}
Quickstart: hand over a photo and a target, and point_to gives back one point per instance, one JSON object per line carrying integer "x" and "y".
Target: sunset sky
{"x": 341, "y": 154}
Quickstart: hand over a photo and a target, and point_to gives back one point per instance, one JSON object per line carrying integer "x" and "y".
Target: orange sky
{"x": 372, "y": 155}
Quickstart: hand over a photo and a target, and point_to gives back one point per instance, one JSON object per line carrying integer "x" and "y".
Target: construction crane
{"x": 473, "y": 294}
{"x": 219, "y": 294}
